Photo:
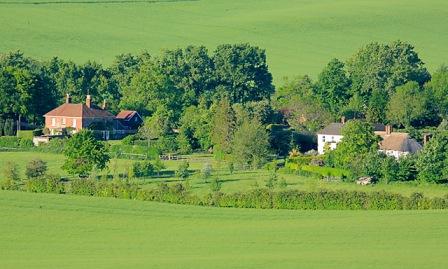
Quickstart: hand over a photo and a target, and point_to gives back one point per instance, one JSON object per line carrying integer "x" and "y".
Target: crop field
{"x": 300, "y": 36}
{"x": 240, "y": 180}
{"x": 56, "y": 231}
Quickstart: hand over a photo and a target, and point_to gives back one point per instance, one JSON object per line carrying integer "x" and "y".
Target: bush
{"x": 206, "y": 171}
{"x": 83, "y": 187}
{"x": 37, "y": 132}
{"x": 215, "y": 185}
{"x": 9, "y": 128}
{"x": 142, "y": 169}
{"x": 129, "y": 140}
{"x": 36, "y": 168}
{"x": 182, "y": 171}
{"x": 10, "y": 171}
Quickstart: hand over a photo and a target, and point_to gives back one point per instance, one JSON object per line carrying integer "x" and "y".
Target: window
{"x": 74, "y": 123}
{"x": 53, "y": 121}
{"x": 332, "y": 138}
{"x": 63, "y": 121}
{"x": 323, "y": 138}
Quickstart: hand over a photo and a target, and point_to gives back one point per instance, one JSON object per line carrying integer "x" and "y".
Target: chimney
{"x": 104, "y": 106}
{"x": 89, "y": 101}
{"x": 426, "y": 138}
{"x": 343, "y": 120}
{"x": 388, "y": 129}
{"x": 68, "y": 99}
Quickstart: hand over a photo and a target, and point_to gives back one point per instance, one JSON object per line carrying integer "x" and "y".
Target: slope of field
{"x": 51, "y": 231}
{"x": 300, "y": 35}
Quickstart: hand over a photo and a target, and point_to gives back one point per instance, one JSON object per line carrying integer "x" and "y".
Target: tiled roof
{"x": 126, "y": 114}
{"x": 79, "y": 110}
{"x": 398, "y": 142}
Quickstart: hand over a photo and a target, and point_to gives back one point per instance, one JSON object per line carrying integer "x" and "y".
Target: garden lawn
{"x": 300, "y": 36}
{"x": 61, "y": 231}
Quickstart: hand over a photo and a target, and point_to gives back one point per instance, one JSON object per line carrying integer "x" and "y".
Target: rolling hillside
{"x": 300, "y": 35}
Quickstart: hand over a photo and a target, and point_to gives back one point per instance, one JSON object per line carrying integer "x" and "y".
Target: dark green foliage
{"x": 242, "y": 73}
{"x": 215, "y": 185}
{"x": 38, "y": 132}
{"x": 47, "y": 184}
{"x": 35, "y": 168}
{"x": 84, "y": 153}
{"x": 438, "y": 86}
{"x": 9, "y": 128}
{"x": 143, "y": 169}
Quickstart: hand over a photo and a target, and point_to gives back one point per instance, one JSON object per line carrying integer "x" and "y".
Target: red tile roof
{"x": 79, "y": 110}
{"x": 126, "y": 114}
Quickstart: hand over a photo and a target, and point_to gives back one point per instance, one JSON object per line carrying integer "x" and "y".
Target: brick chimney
{"x": 343, "y": 120}
{"x": 68, "y": 99}
{"x": 89, "y": 101}
{"x": 104, "y": 106}
{"x": 388, "y": 129}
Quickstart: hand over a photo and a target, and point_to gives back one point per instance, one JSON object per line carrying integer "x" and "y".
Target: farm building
{"x": 70, "y": 118}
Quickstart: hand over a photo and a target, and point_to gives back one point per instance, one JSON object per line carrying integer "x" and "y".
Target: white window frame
{"x": 53, "y": 121}
{"x": 64, "y": 121}
{"x": 74, "y": 123}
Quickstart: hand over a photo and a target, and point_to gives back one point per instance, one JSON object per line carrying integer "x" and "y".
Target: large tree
{"x": 333, "y": 85}
{"x": 242, "y": 72}
{"x": 384, "y": 67}
{"x": 358, "y": 140}
{"x": 84, "y": 153}
{"x": 250, "y": 144}
{"x": 432, "y": 161}
{"x": 439, "y": 88}
{"x": 223, "y": 126}
{"x": 410, "y": 106}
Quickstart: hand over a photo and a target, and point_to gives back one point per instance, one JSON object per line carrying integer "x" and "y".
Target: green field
{"x": 241, "y": 180}
{"x": 56, "y": 231}
{"x": 300, "y": 35}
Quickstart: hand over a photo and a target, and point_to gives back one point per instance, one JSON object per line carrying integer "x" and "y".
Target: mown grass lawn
{"x": 300, "y": 36}
{"x": 238, "y": 181}
{"x": 62, "y": 231}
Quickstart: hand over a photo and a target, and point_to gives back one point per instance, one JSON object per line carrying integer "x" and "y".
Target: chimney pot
{"x": 68, "y": 99}
{"x": 89, "y": 101}
{"x": 388, "y": 129}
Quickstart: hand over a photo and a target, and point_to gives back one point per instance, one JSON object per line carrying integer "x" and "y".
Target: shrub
{"x": 10, "y": 171}
{"x": 206, "y": 171}
{"x": 83, "y": 187}
{"x": 182, "y": 171}
{"x": 215, "y": 185}
{"x": 142, "y": 169}
{"x": 9, "y": 128}
{"x": 8, "y": 184}
{"x": 35, "y": 168}
{"x": 37, "y": 132}
{"x": 129, "y": 140}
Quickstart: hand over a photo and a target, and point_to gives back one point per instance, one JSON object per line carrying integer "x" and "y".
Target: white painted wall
{"x": 322, "y": 139}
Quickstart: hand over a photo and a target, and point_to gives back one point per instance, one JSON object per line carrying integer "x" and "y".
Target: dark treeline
{"x": 195, "y": 91}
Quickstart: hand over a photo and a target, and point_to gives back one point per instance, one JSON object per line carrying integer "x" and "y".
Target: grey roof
{"x": 332, "y": 129}
{"x": 335, "y": 128}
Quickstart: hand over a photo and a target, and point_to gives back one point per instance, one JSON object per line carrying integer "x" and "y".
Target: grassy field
{"x": 54, "y": 231}
{"x": 300, "y": 35}
{"x": 238, "y": 181}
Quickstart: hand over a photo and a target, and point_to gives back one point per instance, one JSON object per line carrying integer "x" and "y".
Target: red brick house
{"x": 71, "y": 118}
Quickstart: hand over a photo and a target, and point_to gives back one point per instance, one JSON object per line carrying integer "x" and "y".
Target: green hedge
{"x": 326, "y": 171}
{"x": 25, "y": 134}
{"x": 259, "y": 198}
{"x": 15, "y": 142}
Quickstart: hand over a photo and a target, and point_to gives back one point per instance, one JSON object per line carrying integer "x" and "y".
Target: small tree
{"x": 10, "y": 171}
{"x": 158, "y": 166}
{"x": 206, "y": 171}
{"x": 182, "y": 171}
{"x": 84, "y": 153}
{"x": 432, "y": 161}
{"x": 36, "y": 168}
{"x": 215, "y": 185}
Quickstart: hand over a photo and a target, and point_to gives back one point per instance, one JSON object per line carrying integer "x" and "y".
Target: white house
{"x": 392, "y": 143}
